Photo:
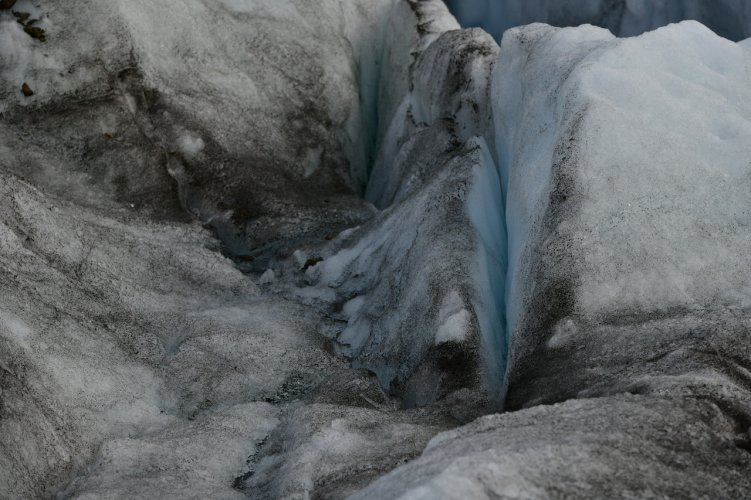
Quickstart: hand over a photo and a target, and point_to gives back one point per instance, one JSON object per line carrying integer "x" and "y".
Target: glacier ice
{"x": 615, "y": 447}
{"x": 625, "y": 168}
{"x": 624, "y": 244}
{"x": 271, "y": 249}
{"x": 728, "y": 18}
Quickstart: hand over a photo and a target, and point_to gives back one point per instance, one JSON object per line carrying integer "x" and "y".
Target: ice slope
{"x": 258, "y": 133}
{"x": 135, "y": 362}
{"x": 420, "y": 286}
{"x": 625, "y": 164}
{"x": 136, "y": 359}
{"x": 728, "y": 18}
{"x": 639, "y": 150}
{"x": 616, "y": 447}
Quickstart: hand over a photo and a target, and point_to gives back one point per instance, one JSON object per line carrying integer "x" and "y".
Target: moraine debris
{"x": 7, "y": 4}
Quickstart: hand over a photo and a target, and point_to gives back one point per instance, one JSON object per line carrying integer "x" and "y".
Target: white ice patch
{"x": 312, "y": 161}
{"x": 352, "y": 307}
{"x": 14, "y": 329}
{"x": 267, "y": 278}
{"x": 16, "y": 53}
{"x": 358, "y": 329}
{"x": 453, "y": 319}
{"x": 190, "y": 145}
{"x": 454, "y": 328}
{"x": 354, "y": 337}
{"x": 563, "y": 334}
{"x": 299, "y": 257}
{"x": 746, "y": 44}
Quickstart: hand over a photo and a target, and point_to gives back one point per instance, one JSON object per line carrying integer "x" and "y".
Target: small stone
{"x": 35, "y": 32}
{"x": 7, "y": 4}
{"x": 27, "y": 90}
{"x": 330, "y": 236}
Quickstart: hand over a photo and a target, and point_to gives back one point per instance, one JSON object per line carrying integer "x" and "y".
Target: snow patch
{"x": 267, "y": 277}
{"x": 190, "y": 145}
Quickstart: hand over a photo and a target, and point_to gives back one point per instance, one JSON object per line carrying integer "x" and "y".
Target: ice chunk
{"x": 627, "y": 173}
{"x": 453, "y": 320}
{"x": 190, "y": 145}
{"x": 267, "y": 277}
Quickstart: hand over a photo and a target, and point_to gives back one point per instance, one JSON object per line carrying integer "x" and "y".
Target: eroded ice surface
{"x": 626, "y": 169}
{"x": 196, "y": 302}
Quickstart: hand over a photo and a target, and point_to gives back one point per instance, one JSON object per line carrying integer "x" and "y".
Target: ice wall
{"x": 728, "y": 18}
{"x": 626, "y": 208}
{"x": 625, "y": 166}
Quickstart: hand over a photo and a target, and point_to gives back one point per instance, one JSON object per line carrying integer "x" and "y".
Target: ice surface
{"x": 136, "y": 359}
{"x": 624, "y": 171}
{"x": 322, "y": 339}
{"x": 281, "y": 124}
{"x": 422, "y": 250}
{"x": 629, "y": 233}
{"x": 728, "y": 18}
{"x": 624, "y": 446}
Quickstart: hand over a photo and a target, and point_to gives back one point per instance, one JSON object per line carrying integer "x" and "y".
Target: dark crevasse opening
{"x": 728, "y": 18}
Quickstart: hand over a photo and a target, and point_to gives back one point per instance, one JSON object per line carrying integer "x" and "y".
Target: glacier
{"x": 728, "y": 18}
{"x": 272, "y": 249}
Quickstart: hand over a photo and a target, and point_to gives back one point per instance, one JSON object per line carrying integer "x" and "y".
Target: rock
{"x": 35, "y": 32}
{"x": 312, "y": 261}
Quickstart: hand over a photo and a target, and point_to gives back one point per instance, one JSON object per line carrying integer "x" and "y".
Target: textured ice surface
{"x": 614, "y": 245}
{"x": 728, "y": 18}
{"x": 614, "y": 447}
{"x": 135, "y": 359}
{"x": 142, "y": 357}
{"x": 258, "y": 133}
{"x": 423, "y": 250}
{"x": 625, "y": 165}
